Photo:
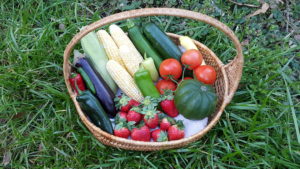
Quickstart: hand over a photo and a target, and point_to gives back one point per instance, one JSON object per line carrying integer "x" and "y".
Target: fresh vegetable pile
{"x": 134, "y": 86}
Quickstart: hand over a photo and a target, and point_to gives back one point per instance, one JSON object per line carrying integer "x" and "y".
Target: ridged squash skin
{"x": 161, "y": 41}
{"x": 195, "y": 100}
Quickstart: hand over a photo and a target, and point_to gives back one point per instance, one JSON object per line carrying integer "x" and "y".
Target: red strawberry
{"x": 124, "y": 103}
{"x": 151, "y": 118}
{"x": 151, "y": 121}
{"x": 167, "y": 104}
{"x": 166, "y": 122}
{"x": 121, "y": 117}
{"x": 134, "y": 103}
{"x": 159, "y": 135}
{"x": 121, "y": 130}
{"x": 134, "y": 115}
{"x": 142, "y": 133}
{"x": 176, "y": 132}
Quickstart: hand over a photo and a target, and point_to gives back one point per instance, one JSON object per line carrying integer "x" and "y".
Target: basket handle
{"x": 233, "y": 69}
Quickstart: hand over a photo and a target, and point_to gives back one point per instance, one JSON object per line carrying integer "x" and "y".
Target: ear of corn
{"x": 188, "y": 43}
{"x": 124, "y": 80}
{"x": 121, "y": 39}
{"x": 119, "y": 36}
{"x": 97, "y": 57}
{"x": 111, "y": 49}
{"x": 131, "y": 59}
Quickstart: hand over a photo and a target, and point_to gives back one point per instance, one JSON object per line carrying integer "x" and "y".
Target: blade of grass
{"x": 168, "y": 24}
{"x": 291, "y": 104}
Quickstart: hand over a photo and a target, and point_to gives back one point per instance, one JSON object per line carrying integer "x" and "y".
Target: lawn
{"x": 39, "y": 127}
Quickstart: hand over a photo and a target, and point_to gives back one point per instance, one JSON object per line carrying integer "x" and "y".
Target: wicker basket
{"x": 228, "y": 76}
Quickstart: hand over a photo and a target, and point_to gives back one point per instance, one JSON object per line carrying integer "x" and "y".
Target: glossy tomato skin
{"x": 206, "y": 74}
{"x": 170, "y": 67}
{"x": 191, "y": 58}
{"x": 165, "y": 84}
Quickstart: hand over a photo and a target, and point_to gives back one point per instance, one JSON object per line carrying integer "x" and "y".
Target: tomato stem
{"x": 171, "y": 78}
{"x": 183, "y": 72}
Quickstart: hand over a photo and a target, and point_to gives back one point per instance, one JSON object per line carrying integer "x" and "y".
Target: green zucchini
{"x": 161, "y": 41}
{"x": 141, "y": 43}
{"x": 94, "y": 110}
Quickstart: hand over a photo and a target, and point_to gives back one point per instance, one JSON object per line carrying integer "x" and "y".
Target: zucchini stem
{"x": 129, "y": 23}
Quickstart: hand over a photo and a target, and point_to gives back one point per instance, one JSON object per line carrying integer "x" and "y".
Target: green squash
{"x": 195, "y": 100}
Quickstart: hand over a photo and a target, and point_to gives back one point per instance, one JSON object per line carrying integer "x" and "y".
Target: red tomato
{"x": 186, "y": 78}
{"x": 170, "y": 68}
{"x": 191, "y": 58}
{"x": 206, "y": 74}
{"x": 165, "y": 84}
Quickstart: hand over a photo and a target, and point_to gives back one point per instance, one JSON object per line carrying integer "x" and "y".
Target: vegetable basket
{"x": 228, "y": 76}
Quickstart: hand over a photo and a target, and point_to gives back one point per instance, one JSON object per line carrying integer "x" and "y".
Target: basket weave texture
{"x": 228, "y": 76}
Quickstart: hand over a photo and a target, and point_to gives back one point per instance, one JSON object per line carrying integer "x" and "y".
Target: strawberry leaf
{"x": 150, "y": 101}
{"x": 119, "y": 126}
{"x": 161, "y": 116}
{"x": 168, "y": 95}
{"x": 118, "y": 119}
{"x": 130, "y": 125}
{"x": 141, "y": 124}
{"x": 136, "y": 109}
{"x": 163, "y": 136}
{"x": 121, "y": 101}
{"x": 172, "y": 121}
{"x": 180, "y": 125}
{"x": 149, "y": 113}
{"x": 149, "y": 107}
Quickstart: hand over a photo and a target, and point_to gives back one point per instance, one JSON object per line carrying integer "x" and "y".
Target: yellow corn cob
{"x": 121, "y": 39}
{"x": 97, "y": 57}
{"x": 131, "y": 59}
{"x": 110, "y": 47}
{"x": 124, "y": 80}
{"x": 119, "y": 36}
{"x": 188, "y": 43}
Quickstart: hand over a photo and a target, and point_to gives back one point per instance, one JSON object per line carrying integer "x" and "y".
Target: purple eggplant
{"x": 103, "y": 91}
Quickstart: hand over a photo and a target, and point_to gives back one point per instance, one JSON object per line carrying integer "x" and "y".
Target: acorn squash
{"x": 195, "y": 100}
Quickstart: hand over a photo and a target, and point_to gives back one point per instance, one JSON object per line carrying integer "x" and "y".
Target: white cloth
{"x": 192, "y": 127}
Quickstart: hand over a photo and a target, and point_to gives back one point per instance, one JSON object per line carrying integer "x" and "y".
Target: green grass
{"x": 39, "y": 127}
